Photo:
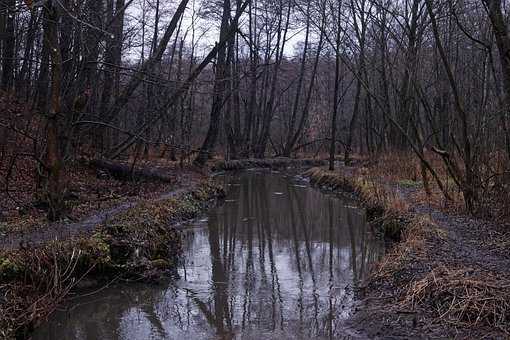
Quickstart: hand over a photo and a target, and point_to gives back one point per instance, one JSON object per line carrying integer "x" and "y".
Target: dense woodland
{"x": 189, "y": 80}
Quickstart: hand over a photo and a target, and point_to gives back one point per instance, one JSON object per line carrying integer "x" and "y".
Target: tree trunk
{"x": 360, "y": 27}
{"x": 54, "y": 165}
{"x": 113, "y": 60}
{"x": 500, "y": 30}
{"x": 9, "y": 45}
{"x": 147, "y": 65}
{"x": 290, "y": 133}
{"x": 252, "y": 101}
{"x": 24, "y": 76}
{"x": 260, "y": 147}
{"x": 219, "y": 92}
{"x": 336, "y": 92}
{"x": 306, "y": 109}
{"x": 467, "y": 183}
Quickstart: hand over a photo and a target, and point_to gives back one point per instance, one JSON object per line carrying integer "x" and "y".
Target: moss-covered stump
{"x": 266, "y": 163}
{"x": 140, "y": 244}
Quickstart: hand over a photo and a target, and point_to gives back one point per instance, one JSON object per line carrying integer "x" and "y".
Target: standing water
{"x": 278, "y": 260}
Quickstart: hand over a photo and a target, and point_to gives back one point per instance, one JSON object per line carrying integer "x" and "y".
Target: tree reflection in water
{"x": 277, "y": 260}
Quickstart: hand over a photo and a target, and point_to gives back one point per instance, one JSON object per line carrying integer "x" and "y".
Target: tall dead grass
{"x": 460, "y": 296}
{"x": 418, "y": 237}
{"x": 492, "y": 184}
{"x": 463, "y": 297}
{"x": 35, "y": 282}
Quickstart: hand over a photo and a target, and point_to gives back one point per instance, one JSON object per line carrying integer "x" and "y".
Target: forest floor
{"x": 93, "y": 197}
{"x": 447, "y": 277}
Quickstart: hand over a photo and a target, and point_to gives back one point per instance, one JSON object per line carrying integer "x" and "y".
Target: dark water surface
{"x": 278, "y": 260}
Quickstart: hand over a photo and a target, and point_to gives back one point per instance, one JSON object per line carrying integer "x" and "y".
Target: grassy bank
{"x": 139, "y": 244}
{"x": 447, "y": 276}
{"x": 384, "y": 207}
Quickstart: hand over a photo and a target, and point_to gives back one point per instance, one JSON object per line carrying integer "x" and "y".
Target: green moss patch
{"x": 407, "y": 183}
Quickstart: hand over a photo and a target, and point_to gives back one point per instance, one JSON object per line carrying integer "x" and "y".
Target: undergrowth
{"x": 139, "y": 244}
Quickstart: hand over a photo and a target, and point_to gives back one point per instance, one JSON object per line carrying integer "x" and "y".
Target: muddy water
{"x": 278, "y": 260}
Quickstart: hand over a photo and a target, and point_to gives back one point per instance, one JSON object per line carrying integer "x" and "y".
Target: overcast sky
{"x": 206, "y": 29}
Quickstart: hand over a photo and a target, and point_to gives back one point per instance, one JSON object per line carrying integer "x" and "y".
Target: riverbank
{"x": 277, "y": 260}
{"x": 448, "y": 275}
{"x": 140, "y": 243}
{"x": 129, "y": 236}
{"x": 93, "y": 194}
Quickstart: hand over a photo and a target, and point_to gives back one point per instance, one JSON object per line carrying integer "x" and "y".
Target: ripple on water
{"x": 259, "y": 269}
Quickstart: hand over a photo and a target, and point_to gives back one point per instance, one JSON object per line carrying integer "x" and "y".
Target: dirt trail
{"x": 472, "y": 242}
{"x": 65, "y": 231}
{"x": 472, "y": 246}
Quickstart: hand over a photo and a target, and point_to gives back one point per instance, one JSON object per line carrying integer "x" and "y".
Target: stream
{"x": 278, "y": 260}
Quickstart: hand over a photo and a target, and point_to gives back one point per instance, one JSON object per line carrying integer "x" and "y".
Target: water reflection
{"x": 277, "y": 260}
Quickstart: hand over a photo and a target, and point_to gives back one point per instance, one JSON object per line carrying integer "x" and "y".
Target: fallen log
{"x": 127, "y": 172}
{"x": 270, "y": 163}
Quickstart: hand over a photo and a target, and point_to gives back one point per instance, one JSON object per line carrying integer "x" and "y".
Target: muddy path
{"x": 448, "y": 277}
{"x": 471, "y": 242}
{"x": 474, "y": 242}
{"x": 60, "y": 231}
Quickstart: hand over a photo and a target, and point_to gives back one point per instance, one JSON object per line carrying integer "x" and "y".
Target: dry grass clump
{"x": 373, "y": 194}
{"x": 492, "y": 182}
{"x": 460, "y": 296}
{"x": 160, "y": 212}
{"x": 35, "y": 281}
{"x": 464, "y": 297}
{"x": 331, "y": 179}
{"x": 143, "y": 233}
{"x": 419, "y": 236}
{"x": 402, "y": 169}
